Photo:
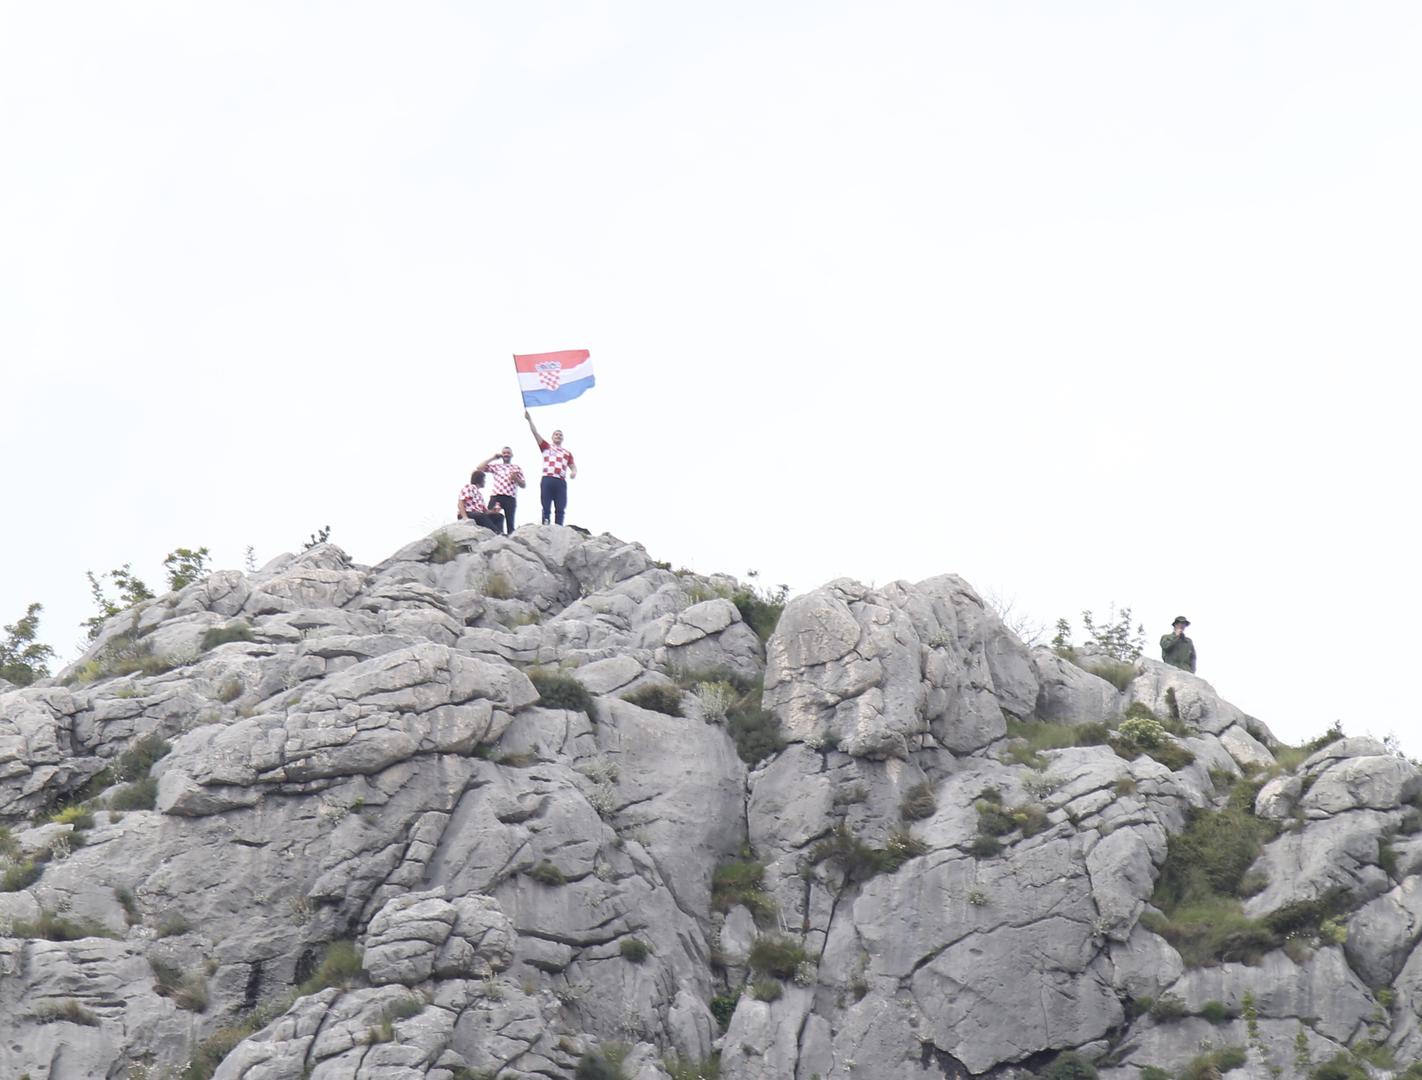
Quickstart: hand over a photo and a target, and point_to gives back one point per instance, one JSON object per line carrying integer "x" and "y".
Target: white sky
{"x": 1087, "y": 303}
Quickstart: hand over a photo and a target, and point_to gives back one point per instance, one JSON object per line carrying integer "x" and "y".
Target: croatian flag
{"x": 552, "y": 377}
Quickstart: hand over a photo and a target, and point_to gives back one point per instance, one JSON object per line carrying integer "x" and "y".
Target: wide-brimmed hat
{"x": 1180, "y": 619}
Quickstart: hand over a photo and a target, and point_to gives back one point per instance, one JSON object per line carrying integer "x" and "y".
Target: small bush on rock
{"x": 52, "y": 927}
{"x": 186, "y": 991}
{"x": 1217, "y": 1012}
{"x": 776, "y": 955}
{"x": 1069, "y": 1066}
{"x": 604, "y": 1064}
{"x": 742, "y": 881}
{"x": 1213, "y": 1063}
{"x": 766, "y": 990}
{"x": 340, "y": 966}
{"x": 557, "y": 690}
{"x": 761, "y": 610}
{"x": 68, "y": 1011}
{"x": 633, "y": 950}
{"x": 140, "y": 795}
{"x": 918, "y": 802}
{"x": 223, "y": 635}
{"x": 723, "y": 1007}
{"x": 545, "y": 873}
{"x": 658, "y": 697}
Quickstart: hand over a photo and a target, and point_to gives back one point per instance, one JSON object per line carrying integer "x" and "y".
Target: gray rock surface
{"x": 355, "y": 834}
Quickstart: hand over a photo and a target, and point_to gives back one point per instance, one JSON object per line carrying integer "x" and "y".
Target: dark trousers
{"x": 489, "y": 521}
{"x": 508, "y": 504}
{"x": 554, "y": 493}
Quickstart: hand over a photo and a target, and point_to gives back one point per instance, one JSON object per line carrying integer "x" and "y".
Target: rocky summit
{"x": 540, "y": 807}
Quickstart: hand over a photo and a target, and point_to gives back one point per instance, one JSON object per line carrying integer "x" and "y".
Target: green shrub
{"x": 1307, "y": 916}
{"x": 761, "y": 610}
{"x": 1145, "y": 731}
{"x": 21, "y": 874}
{"x": 185, "y": 566}
{"x": 918, "y": 802}
{"x": 776, "y": 955}
{"x": 1154, "y": 1072}
{"x": 658, "y": 697}
{"x": 1119, "y": 673}
{"x": 1341, "y": 1066}
{"x": 766, "y": 990}
{"x": 132, "y": 591}
{"x": 690, "y": 678}
{"x": 498, "y": 587}
{"x": 1214, "y": 1062}
{"x": 138, "y": 759}
{"x": 186, "y": 991}
{"x": 68, "y": 1011}
{"x": 633, "y": 950}
{"x": 124, "y": 895}
{"x": 755, "y": 730}
{"x": 859, "y": 861}
{"x": 901, "y": 846}
{"x": 173, "y": 924}
{"x": 446, "y": 548}
{"x": 557, "y": 690}
{"x": 1377, "y": 1054}
{"x": 993, "y": 819}
{"x": 545, "y": 873}
{"x": 1157, "y": 744}
{"x": 23, "y": 660}
{"x": 139, "y": 795}
{"x": 340, "y": 966}
{"x": 604, "y": 1064}
{"x": 1031, "y": 738}
{"x": 1212, "y": 930}
{"x": 1217, "y": 1012}
{"x": 222, "y": 635}
{"x": 710, "y": 1069}
{"x": 78, "y": 815}
{"x": 1069, "y": 1066}
{"x": 208, "y": 1054}
{"x": 742, "y": 881}
{"x": 723, "y": 1007}
{"x": 52, "y": 927}
{"x": 1139, "y": 710}
{"x": 985, "y": 847}
{"x": 1210, "y": 856}
{"x": 1167, "y": 1007}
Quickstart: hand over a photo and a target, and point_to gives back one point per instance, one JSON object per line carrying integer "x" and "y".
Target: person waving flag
{"x": 553, "y": 377}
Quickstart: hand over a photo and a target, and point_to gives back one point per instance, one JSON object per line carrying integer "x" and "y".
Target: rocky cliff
{"x": 539, "y": 807}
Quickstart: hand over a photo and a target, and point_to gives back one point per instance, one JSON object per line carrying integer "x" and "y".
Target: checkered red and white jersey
{"x": 504, "y": 477}
{"x": 556, "y": 459}
{"x": 472, "y": 499}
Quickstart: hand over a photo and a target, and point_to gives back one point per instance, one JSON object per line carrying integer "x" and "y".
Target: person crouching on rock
{"x": 471, "y": 504}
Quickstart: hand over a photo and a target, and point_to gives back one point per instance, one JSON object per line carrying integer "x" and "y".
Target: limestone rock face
{"x": 878, "y": 673}
{"x": 517, "y": 807}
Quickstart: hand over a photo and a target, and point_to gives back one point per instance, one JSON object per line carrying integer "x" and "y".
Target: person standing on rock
{"x": 1175, "y": 648}
{"x": 508, "y": 478}
{"x": 471, "y": 504}
{"x": 558, "y": 469}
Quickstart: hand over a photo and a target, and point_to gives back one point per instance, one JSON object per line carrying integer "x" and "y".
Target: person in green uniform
{"x": 1175, "y": 648}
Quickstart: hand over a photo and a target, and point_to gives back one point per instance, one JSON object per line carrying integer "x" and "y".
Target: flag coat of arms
{"x": 553, "y": 377}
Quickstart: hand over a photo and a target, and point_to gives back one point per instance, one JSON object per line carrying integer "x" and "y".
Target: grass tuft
{"x": 658, "y": 697}
{"x": 557, "y": 690}
{"x": 223, "y": 635}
